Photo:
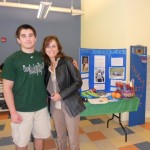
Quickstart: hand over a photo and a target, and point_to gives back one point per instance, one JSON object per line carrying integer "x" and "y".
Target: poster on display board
{"x": 138, "y": 72}
{"x": 101, "y": 68}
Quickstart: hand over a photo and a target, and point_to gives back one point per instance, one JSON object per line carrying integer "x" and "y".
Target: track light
{"x": 43, "y": 9}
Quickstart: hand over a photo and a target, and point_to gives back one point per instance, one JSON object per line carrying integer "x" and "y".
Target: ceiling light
{"x": 43, "y": 9}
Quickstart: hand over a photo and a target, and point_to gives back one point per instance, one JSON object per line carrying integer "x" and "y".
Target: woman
{"x": 63, "y": 81}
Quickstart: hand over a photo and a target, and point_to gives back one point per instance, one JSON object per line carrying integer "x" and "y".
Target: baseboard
{"x": 147, "y": 114}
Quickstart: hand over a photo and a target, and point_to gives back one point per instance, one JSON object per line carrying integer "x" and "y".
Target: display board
{"x": 101, "y": 68}
{"x": 148, "y": 87}
{"x": 138, "y": 72}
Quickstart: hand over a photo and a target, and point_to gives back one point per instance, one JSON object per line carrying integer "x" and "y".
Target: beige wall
{"x": 115, "y": 24}
{"x": 100, "y": 22}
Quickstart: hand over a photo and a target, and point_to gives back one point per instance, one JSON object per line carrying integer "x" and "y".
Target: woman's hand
{"x": 56, "y": 97}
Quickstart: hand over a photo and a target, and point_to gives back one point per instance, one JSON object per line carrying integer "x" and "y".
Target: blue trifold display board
{"x": 138, "y": 72}
{"x": 109, "y": 56}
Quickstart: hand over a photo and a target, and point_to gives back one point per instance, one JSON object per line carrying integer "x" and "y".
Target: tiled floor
{"x": 94, "y": 135}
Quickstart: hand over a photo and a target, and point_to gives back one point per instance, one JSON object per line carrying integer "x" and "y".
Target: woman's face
{"x": 52, "y": 49}
{"x": 85, "y": 60}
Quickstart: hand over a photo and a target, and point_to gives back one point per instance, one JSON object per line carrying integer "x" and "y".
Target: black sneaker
{"x": 1, "y": 95}
{"x": 4, "y": 106}
{"x": 2, "y": 102}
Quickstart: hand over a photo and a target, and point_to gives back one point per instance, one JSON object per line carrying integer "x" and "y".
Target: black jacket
{"x": 69, "y": 82}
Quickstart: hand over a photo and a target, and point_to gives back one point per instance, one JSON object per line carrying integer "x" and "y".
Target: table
{"x": 120, "y": 106}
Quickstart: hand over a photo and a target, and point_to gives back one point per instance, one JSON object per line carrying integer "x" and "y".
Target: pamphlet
{"x": 111, "y": 99}
{"x": 98, "y": 100}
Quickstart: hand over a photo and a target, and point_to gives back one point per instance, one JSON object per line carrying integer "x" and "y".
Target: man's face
{"x": 27, "y": 40}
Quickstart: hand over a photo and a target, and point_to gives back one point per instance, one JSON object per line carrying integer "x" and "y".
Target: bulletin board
{"x": 101, "y": 68}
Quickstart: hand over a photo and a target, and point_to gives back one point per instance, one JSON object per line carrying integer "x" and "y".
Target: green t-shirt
{"x": 27, "y": 72}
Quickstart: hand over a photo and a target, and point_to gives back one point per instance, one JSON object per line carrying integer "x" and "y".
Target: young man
{"x": 25, "y": 92}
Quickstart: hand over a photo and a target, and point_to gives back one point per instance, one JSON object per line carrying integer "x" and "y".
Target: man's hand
{"x": 16, "y": 118}
{"x": 75, "y": 64}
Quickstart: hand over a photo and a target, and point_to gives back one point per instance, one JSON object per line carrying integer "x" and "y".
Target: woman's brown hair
{"x": 46, "y": 42}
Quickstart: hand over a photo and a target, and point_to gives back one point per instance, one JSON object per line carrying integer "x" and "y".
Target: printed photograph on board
{"x": 116, "y": 73}
{"x": 99, "y": 75}
{"x": 85, "y": 64}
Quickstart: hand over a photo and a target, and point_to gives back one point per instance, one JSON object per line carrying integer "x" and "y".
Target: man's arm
{"x": 9, "y": 98}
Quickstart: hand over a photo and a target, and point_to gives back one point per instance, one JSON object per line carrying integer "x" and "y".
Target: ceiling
{"x": 36, "y": 2}
{"x": 65, "y": 6}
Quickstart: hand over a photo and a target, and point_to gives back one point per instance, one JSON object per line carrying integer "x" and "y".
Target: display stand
{"x": 138, "y": 72}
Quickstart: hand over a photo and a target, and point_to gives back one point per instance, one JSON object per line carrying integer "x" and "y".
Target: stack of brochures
{"x": 102, "y": 99}
{"x": 98, "y": 100}
{"x": 111, "y": 99}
